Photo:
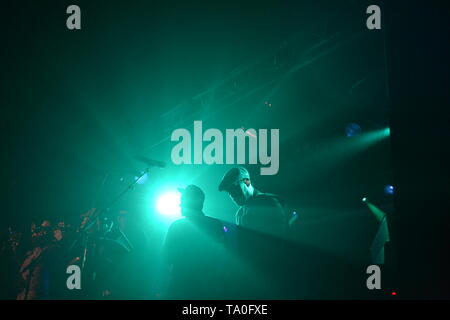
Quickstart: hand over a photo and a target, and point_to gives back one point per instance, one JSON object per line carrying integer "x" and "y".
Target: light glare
{"x": 169, "y": 204}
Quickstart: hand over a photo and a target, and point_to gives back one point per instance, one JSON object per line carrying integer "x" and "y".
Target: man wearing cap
{"x": 258, "y": 211}
{"x": 193, "y": 250}
{"x": 260, "y": 236}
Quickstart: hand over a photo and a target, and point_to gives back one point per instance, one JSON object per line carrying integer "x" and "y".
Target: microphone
{"x": 151, "y": 162}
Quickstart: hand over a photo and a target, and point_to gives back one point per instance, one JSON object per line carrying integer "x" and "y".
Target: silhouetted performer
{"x": 262, "y": 227}
{"x": 258, "y": 211}
{"x": 193, "y": 250}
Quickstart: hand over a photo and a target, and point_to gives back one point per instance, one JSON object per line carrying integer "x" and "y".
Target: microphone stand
{"x": 99, "y": 214}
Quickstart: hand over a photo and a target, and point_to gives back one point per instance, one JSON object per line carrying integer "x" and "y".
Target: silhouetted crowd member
{"x": 42, "y": 271}
{"x": 193, "y": 250}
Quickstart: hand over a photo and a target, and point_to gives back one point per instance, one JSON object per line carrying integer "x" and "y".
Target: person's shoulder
{"x": 177, "y": 229}
{"x": 263, "y": 198}
{"x": 213, "y": 221}
{"x": 180, "y": 223}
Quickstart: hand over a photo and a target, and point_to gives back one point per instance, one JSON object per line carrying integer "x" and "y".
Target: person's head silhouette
{"x": 192, "y": 199}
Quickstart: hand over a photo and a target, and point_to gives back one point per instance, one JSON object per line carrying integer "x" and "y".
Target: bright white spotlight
{"x": 169, "y": 203}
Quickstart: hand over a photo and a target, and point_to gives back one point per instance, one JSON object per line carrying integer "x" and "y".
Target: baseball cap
{"x": 233, "y": 176}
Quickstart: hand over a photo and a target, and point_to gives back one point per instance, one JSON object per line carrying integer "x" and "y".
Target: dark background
{"x": 77, "y": 106}
{"x": 420, "y": 98}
